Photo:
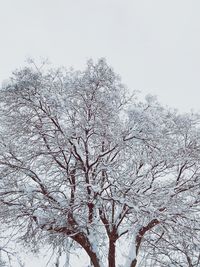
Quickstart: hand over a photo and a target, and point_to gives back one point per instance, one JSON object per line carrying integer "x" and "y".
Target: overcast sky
{"x": 153, "y": 44}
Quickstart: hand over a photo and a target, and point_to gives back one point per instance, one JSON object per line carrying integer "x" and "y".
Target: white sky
{"x": 153, "y": 44}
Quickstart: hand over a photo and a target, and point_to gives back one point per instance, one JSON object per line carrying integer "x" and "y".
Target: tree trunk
{"x": 133, "y": 263}
{"x": 93, "y": 258}
{"x": 139, "y": 238}
{"x": 85, "y": 244}
{"x": 111, "y": 254}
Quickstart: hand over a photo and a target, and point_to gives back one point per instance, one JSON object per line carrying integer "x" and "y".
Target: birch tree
{"x": 81, "y": 159}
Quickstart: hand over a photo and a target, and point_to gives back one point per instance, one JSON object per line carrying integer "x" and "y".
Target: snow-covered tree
{"x": 81, "y": 159}
{"x": 2, "y": 262}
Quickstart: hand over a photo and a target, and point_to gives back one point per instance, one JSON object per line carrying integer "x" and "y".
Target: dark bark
{"x": 93, "y": 257}
{"x": 139, "y": 237}
{"x": 81, "y": 239}
{"x": 133, "y": 263}
{"x": 85, "y": 244}
{"x": 113, "y": 236}
{"x": 111, "y": 254}
{"x": 189, "y": 261}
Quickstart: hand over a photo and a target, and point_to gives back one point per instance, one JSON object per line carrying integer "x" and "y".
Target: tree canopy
{"x": 83, "y": 159}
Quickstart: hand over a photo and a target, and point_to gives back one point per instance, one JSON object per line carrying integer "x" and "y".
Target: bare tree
{"x": 81, "y": 159}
